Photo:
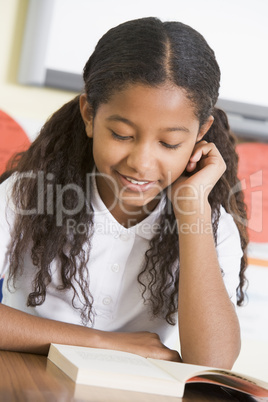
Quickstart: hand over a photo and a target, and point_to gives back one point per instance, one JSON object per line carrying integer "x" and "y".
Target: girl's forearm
{"x": 23, "y": 332}
{"x": 208, "y": 324}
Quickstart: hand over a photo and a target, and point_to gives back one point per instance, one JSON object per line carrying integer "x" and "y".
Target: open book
{"x": 127, "y": 371}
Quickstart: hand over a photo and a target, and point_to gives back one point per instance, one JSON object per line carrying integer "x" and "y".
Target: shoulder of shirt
{"x": 227, "y": 229}
{"x": 6, "y": 192}
{"x": 6, "y": 186}
{"x": 226, "y": 217}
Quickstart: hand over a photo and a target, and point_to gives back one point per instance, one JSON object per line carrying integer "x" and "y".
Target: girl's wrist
{"x": 190, "y": 208}
{"x": 194, "y": 218}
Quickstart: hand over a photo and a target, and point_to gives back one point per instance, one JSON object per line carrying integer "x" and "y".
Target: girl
{"x": 119, "y": 228}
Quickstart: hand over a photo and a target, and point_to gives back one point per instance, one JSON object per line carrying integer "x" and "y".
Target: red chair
{"x": 13, "y": 139}
{"x": 253, "y": 173}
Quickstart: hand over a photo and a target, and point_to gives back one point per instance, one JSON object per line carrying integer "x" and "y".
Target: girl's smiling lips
{"x": 134, "y": 184}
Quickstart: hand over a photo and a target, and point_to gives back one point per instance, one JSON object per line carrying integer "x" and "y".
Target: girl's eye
{"x": 169, "y": 146}
{"x": 120, "y": 137}
{"x": 127, "y": 137}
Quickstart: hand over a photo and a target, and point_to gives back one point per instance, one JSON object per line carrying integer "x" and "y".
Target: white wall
{"x": 237, "y": 30}
{"x": 241, "y": 25}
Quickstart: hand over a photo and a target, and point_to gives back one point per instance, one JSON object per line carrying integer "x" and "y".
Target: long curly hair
{"x": 145, "y": 51}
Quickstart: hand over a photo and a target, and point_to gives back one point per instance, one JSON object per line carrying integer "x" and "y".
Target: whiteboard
{"x": 60, "y": 35}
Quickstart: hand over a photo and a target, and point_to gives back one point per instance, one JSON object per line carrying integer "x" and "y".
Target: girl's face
{"x": 142, "y": 141}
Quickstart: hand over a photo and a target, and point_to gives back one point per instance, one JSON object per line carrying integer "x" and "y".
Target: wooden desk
{"x": 28, "y": 377}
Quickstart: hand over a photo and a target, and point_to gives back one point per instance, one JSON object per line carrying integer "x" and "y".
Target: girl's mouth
{"x": 136, "y": 181}
{"x": 135, "y": 185}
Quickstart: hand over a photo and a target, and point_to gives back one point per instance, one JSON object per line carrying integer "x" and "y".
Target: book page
{"x": 113, "y": 369}
{"x": 180, "y": 371}
{"x": 192, "y": 373}
{"x": 113, "y": 361}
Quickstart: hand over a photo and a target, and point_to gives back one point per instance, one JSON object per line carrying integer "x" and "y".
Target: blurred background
{"x": 44, "y": 46}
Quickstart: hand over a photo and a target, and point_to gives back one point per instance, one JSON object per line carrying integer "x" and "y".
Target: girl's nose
{"x": 141, "y": 158}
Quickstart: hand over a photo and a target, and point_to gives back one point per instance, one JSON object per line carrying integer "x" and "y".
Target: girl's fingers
{"x": 191, "y": 166}
{"x": 204, "y": 150}
{"x": 206, "y": 165}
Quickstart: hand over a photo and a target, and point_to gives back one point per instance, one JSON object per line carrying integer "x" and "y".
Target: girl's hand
{"x": 205, "y": 166}
{"x": 145, "y": 344}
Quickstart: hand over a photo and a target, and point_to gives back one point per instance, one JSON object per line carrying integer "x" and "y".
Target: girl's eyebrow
{"x": 179, "y": 128}
{"x": 117, "y": 117}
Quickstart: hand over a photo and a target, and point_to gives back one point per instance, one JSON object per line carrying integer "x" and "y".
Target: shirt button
{"x": 124, "y": 236}
{"x": 115, "y": 267}
{"x": 106, "y": 300}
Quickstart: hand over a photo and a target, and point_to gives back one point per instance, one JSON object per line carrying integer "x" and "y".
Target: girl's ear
{"x": 87, "y": 114}
{"x": 205, "y": 127}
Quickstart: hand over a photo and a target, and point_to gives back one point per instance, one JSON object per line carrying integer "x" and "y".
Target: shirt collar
{"x": 146, "y": 229}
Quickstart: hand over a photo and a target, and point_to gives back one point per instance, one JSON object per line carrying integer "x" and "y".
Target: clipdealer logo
{"x": 50, "y": 199}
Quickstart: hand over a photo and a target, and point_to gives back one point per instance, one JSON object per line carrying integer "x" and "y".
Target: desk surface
{"x": 28, "y": 377}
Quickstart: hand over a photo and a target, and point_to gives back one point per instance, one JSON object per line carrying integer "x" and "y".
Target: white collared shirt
{"x": 116, "y": 258}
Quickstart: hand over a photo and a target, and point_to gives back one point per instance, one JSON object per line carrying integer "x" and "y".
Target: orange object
{"x": 258, "y": 261}
{"x": 13, "y": 139}
{"x": 253, "y": 173}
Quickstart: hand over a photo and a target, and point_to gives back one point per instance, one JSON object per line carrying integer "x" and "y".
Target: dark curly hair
{"x": 145, "y": 51}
